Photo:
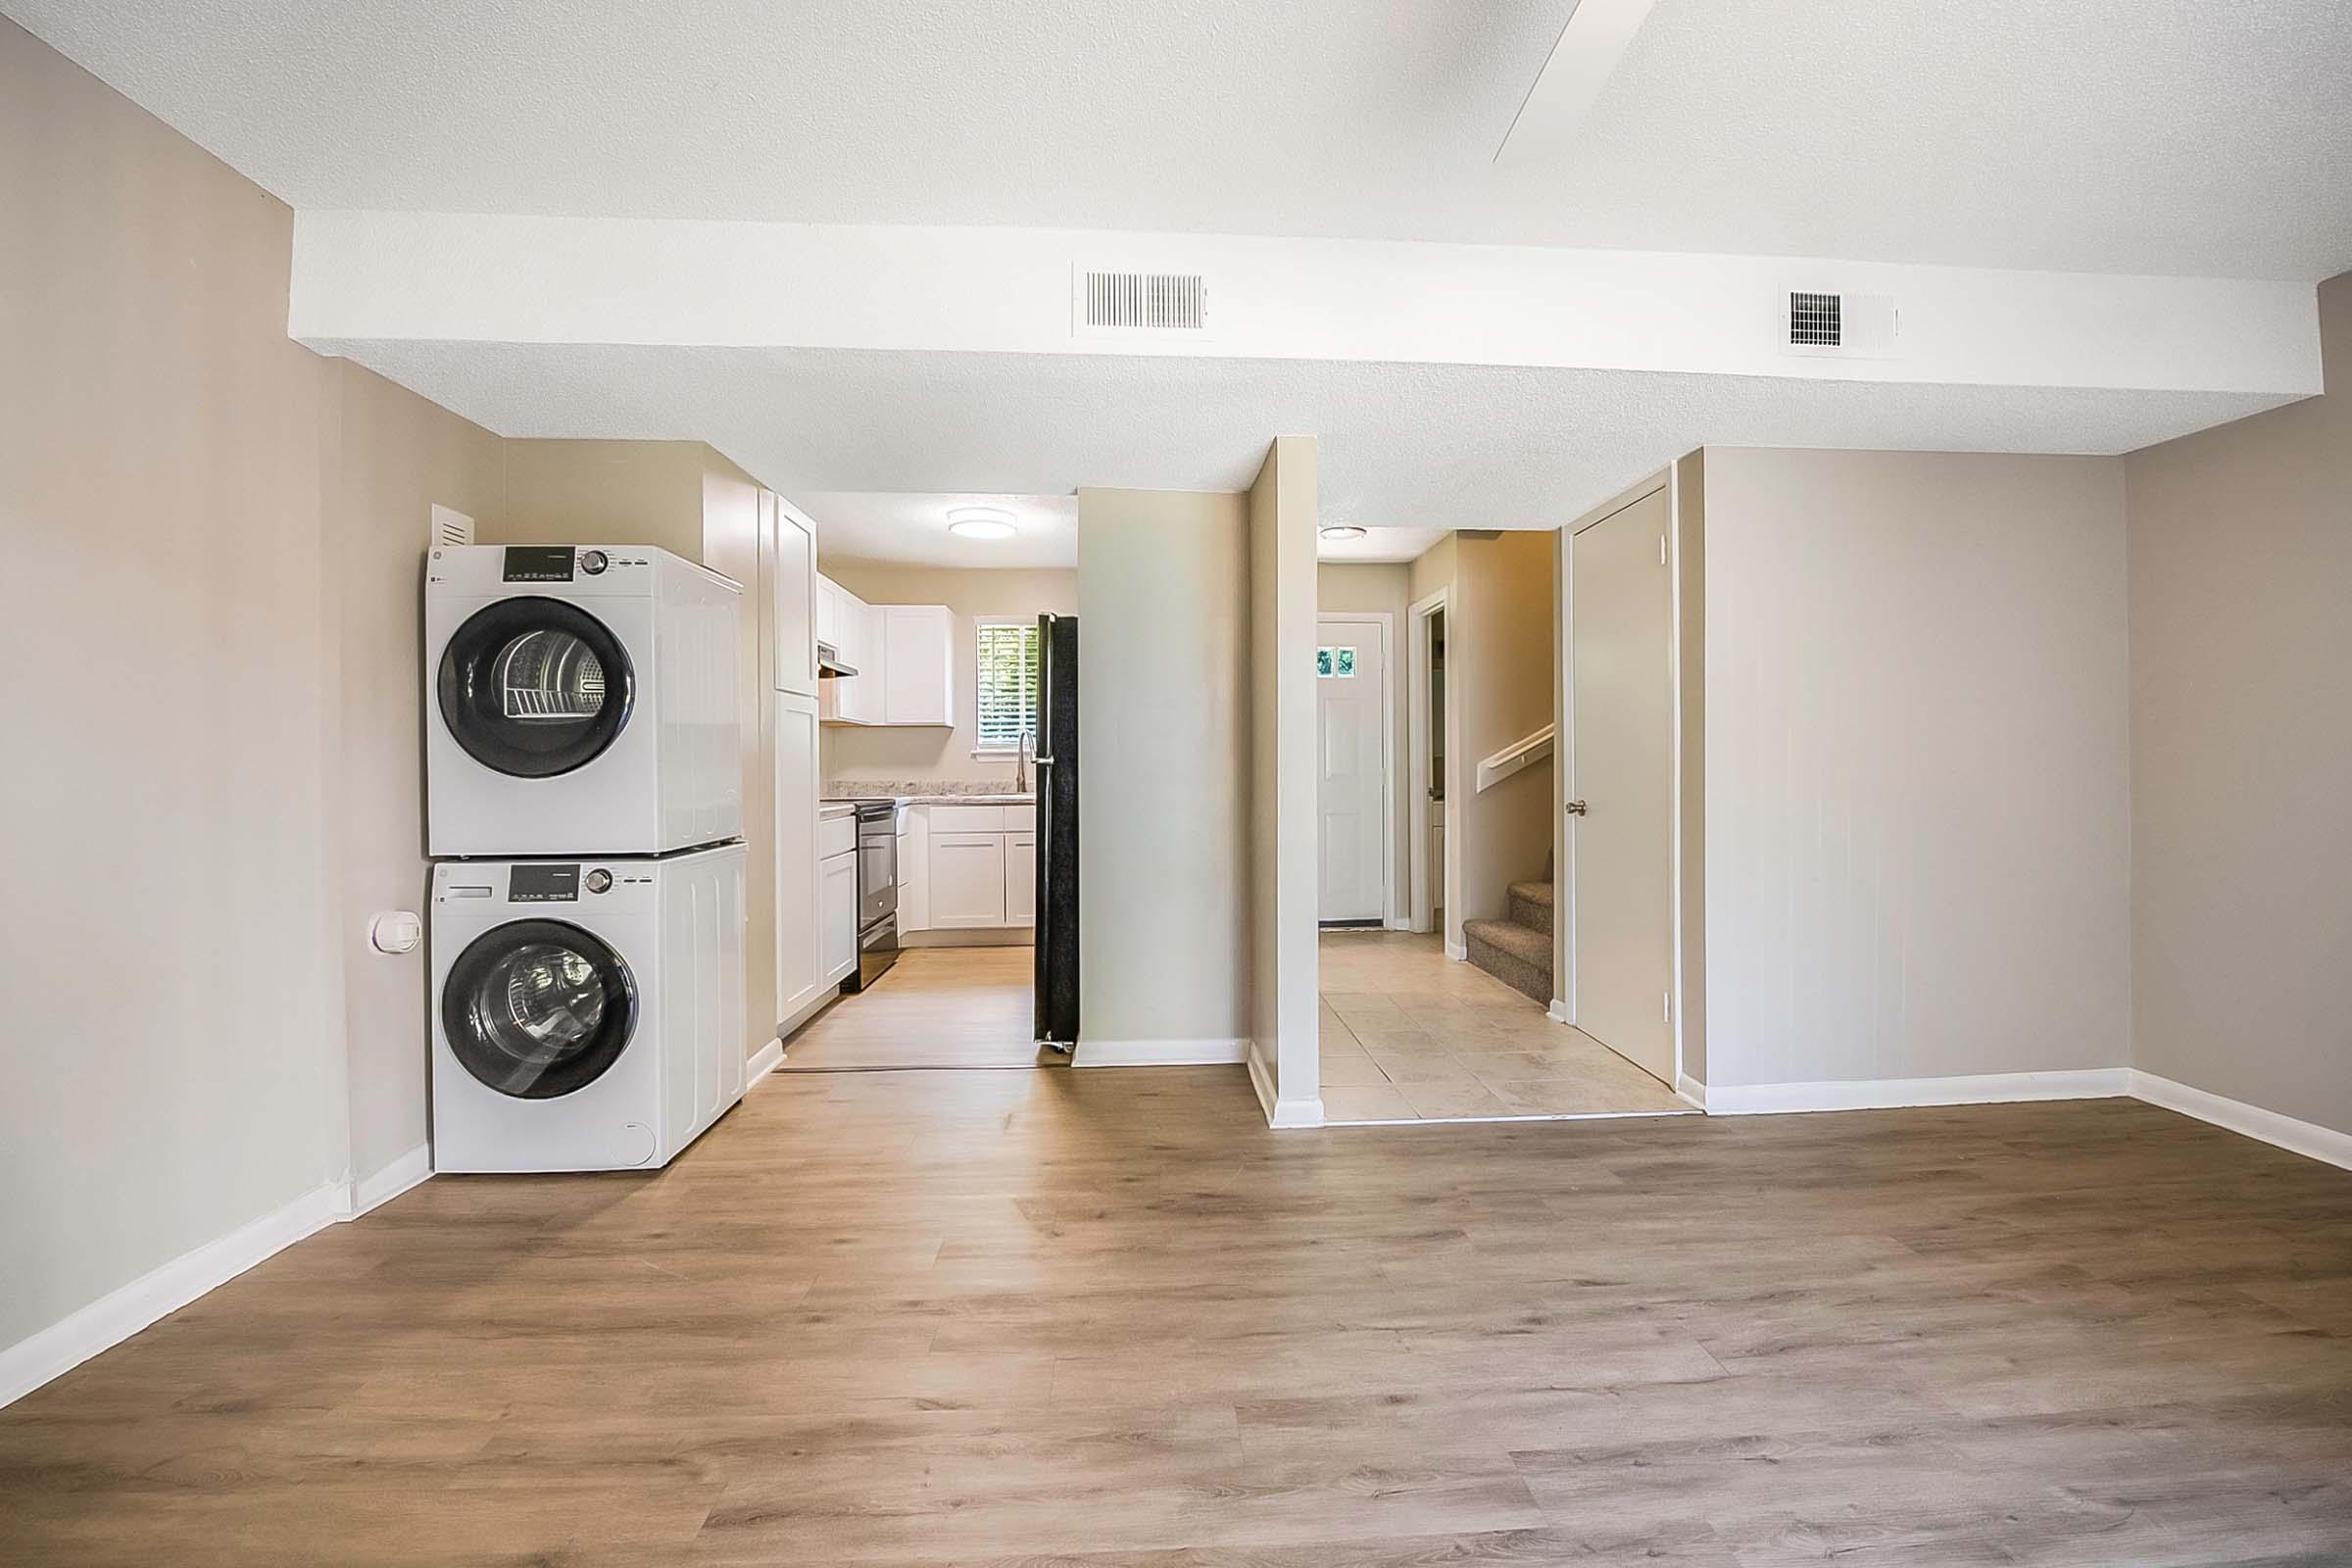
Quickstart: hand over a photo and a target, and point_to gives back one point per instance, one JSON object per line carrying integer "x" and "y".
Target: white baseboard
{"x": 1459, "y": 952}
{"x": 390, "y": 1182}
{"x": 1691, "y": 1091}
{"x": 1159, "y": 1053}
{"x": 766, "y": 1059}
{"x": 1291, "y": 1114}
{"x": 1400, "y": 922}
{"x": 2308, "y": 1139}
{"x": 979, "y": 936}
{"x": 1558, "y": 1013}
{"x": 1883, "y": 1093}
{"x": 1261, "y": 1079}
{"x": 119, "y": 1313}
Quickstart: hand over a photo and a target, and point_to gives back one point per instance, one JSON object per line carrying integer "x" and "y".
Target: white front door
{"x": 1351, "y": 706}
{"x": 1620, "y": 765}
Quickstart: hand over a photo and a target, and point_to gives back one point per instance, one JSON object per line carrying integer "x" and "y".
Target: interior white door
{"x": 1351, "y": 706}
{"x": 1620, "y": 767}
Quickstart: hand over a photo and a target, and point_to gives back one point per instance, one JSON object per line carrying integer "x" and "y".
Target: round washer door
{"x": 534, "y": 687}
{"x": 538, "y": 1009}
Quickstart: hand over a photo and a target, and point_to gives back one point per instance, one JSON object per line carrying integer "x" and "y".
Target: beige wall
{"x": 1163, "y": 614}
{"x": 1284, "y": 882}
{"x": 1502, "y": 655}
{"x": 973, "y": 594}
{"x": 216, "y": 538}
{"x": 390, "y": 455}
{"x": 692, "y": 500}
{"x": 1383, "y": 588}
{"x": 1916, "y": 767}
{"x": 2241, "y": 750}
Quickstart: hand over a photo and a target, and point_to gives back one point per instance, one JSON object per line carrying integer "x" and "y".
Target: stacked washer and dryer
{"x": 584, "y": 807}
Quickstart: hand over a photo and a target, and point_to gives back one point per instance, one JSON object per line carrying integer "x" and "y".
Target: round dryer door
{"x": 535, "y": 686}
{"x": 537, "y": 1008}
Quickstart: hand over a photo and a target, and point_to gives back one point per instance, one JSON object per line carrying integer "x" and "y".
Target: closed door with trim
{"x": 1620, "y": 771}
{"x": 1352, "y": 708}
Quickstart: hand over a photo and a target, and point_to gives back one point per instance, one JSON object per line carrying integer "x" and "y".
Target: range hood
{"x": 828, "y": 662}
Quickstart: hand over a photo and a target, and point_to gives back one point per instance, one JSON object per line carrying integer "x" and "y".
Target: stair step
{"x": 1532, "y": 905}
{"x": 1518, "y": 955}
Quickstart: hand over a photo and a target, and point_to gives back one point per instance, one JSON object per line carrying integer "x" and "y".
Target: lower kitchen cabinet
{"x": 968, "y": 880}
{"x": 837, "y": 914}
{"x": 1020, "y": 879}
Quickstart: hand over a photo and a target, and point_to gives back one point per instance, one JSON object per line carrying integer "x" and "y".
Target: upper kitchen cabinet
{"x": 792, "y": 587}
{"x": 904, "y": 656}
{"x": 919, "y": 675}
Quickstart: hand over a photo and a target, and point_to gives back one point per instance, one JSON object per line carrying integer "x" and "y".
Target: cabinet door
{"x": 828, "y": 613}
{"x": 792, "y": 595}
{"x": 1020, "y": 879}
{"x": 919, "y": 665}
{"x": 799, "y": 963}
{"x": 968, "y": 880}
{"x": 837, "y": 898}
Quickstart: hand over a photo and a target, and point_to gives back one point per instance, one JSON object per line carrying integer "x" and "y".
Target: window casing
{"x": 1004, "y": 662}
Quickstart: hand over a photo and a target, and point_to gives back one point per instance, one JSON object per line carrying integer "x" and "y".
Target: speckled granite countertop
{"x": 925, "y": 791}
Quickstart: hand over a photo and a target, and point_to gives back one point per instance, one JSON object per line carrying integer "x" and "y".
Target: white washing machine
{"x": 582, "y": 700}
{"x": 587, "y": 1015}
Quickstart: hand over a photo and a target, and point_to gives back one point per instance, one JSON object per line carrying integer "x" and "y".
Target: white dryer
{"x": 587, "y": 1015}
{"x": 582, "y": 700}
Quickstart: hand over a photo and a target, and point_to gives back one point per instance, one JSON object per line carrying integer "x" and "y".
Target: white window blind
{"x": 1008, "y": 665}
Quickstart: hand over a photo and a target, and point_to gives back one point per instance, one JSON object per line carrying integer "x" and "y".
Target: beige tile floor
{"x": 1409, "y": 1034}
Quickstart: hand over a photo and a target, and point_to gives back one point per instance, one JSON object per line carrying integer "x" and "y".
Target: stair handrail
{"x": 1520, "y": 754}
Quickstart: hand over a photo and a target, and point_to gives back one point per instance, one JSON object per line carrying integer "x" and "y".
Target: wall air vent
{"x": 1817, "y": 320}
{"x": 1837, "y": 325}
{"x": 451, "y": 528}
{"x": 1108, "y": 303}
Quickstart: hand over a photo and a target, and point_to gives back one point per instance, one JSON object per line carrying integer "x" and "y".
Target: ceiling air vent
{"x": 1105, "y": 303}
{"x": 1817, "y": 322}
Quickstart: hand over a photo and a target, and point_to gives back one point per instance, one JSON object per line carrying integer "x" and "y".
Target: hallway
{"x": 1407, "y": 1034}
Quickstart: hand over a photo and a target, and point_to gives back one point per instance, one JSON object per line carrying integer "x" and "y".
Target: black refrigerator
{"x": 1057, "y": 831}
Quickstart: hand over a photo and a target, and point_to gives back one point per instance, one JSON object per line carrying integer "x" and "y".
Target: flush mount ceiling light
{"x": 981, "y": 523}
{"x": 1341, "y": 530}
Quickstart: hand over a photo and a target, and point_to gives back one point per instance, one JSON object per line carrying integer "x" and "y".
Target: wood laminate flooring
{"x": 935, "y": 1008}
{"x": 1408, "y": 1033}
{"x": 1108, "y": 1320}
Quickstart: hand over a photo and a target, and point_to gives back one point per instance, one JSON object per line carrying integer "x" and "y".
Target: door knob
{"x": 1576, "y": 807}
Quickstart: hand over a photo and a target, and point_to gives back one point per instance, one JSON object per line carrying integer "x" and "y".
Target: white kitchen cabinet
{"x": 967, "y": 881}
{"x": 918, "y": 670}
{"x": 828, "y": 611}
{"x": 1020, "y": 879}
{"x": 799, "y": 963}
{"x": 792, "y": 593}
{"x": 836, "y": 907}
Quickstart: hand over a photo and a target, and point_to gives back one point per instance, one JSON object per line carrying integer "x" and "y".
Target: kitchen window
{"x": 1005, "y": 659}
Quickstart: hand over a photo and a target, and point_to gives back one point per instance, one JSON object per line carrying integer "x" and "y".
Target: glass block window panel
{"x": 1335, "y": 663}
{"x": 1345, "y": 663}
{"x": 1007, "y": 665}
{"x": 1323, "y": 662}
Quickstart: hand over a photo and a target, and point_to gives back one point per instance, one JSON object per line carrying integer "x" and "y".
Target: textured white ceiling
{"x": 1441, "y": 446}
{"x": 911, "y": 527}
{"x": 2187, "y": 136}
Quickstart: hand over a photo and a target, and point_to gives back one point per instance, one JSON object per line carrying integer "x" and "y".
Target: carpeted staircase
{"x": 1518, "y": 950}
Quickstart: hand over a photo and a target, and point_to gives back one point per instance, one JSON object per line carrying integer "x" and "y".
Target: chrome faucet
{"x": 1020, "y": 764}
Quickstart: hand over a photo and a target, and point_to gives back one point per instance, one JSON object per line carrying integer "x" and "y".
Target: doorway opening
{"x": 965, "y": 889}
{"x": 1447, "y": 1007}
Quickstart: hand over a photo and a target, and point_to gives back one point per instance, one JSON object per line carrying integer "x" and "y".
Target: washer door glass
{"x": 538, "y": 1009}
{"x": 534, "y": 687}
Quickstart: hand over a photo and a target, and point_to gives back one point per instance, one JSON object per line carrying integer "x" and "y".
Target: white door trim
{"x": 1387, "y": 622}
{"x": 1421, "y": 898}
